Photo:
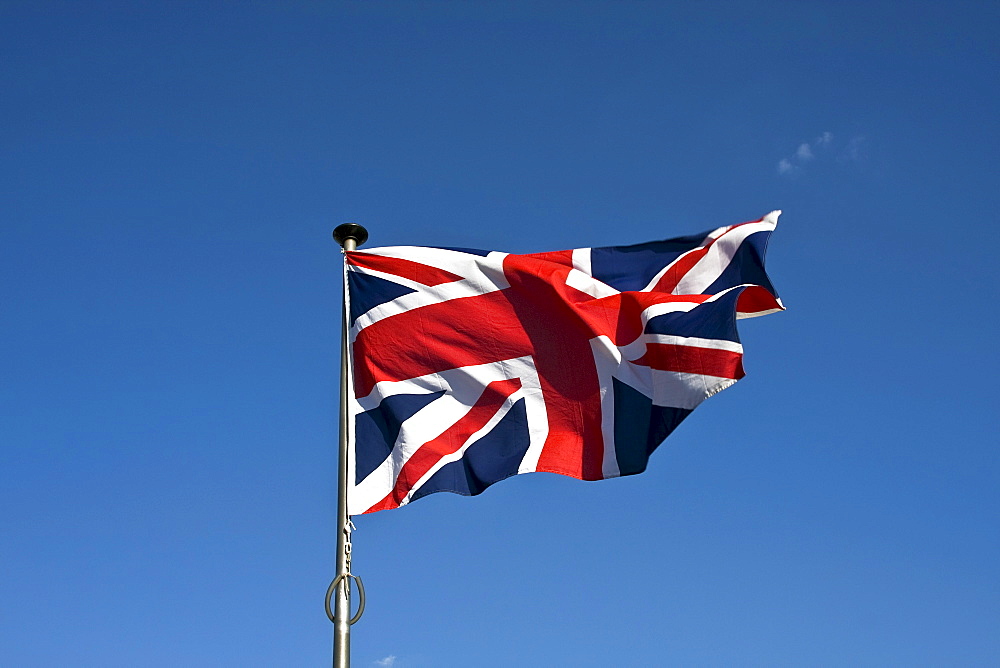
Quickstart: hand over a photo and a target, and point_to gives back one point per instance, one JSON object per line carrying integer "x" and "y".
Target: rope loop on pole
{"x": 361, "y": 596}
{"x": 347, "y": 576}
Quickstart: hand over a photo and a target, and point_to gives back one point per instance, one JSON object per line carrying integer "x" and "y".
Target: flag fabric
{"x": 470, "y": 366}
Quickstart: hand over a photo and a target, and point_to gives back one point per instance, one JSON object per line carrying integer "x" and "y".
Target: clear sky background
{"x": 170, "y": 173}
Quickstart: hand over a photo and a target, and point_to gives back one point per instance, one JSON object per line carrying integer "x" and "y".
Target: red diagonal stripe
{"x": 689, "y": 359}
{"x": 421, "y": 273}
{"x": 431, "y": 452}
{"x": 681, "y": 266}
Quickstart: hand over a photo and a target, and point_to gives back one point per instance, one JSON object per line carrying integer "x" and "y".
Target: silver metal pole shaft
{"x": 349, "y": 236}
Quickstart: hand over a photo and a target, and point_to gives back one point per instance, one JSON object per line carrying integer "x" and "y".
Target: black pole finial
{"x": 350, "y": 231}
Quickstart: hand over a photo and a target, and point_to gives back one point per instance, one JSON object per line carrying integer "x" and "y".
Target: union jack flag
{"x": 472, "y": 366}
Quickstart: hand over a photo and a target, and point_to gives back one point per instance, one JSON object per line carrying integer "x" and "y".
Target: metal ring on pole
{"x": 361, "y": 597}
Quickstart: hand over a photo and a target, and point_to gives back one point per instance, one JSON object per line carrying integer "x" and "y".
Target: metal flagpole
{"x": 349, "y": 236}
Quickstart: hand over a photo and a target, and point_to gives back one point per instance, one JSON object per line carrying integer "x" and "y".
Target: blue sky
{"x": 170, "y": 174}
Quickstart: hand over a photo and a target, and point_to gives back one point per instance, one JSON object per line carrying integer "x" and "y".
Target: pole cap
{"x": 350, "y": 231}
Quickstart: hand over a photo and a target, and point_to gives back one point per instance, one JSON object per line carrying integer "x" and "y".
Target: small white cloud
{"x": 387, "y": 662}
{"x": 854, "y": 151}
{"x": 808, "y": 151}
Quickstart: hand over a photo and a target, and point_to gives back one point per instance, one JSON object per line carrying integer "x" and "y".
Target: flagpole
{"x": 349, "y": 236}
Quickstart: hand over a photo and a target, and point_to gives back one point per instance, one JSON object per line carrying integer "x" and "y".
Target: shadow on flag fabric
{"x": 471, "y": 366}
